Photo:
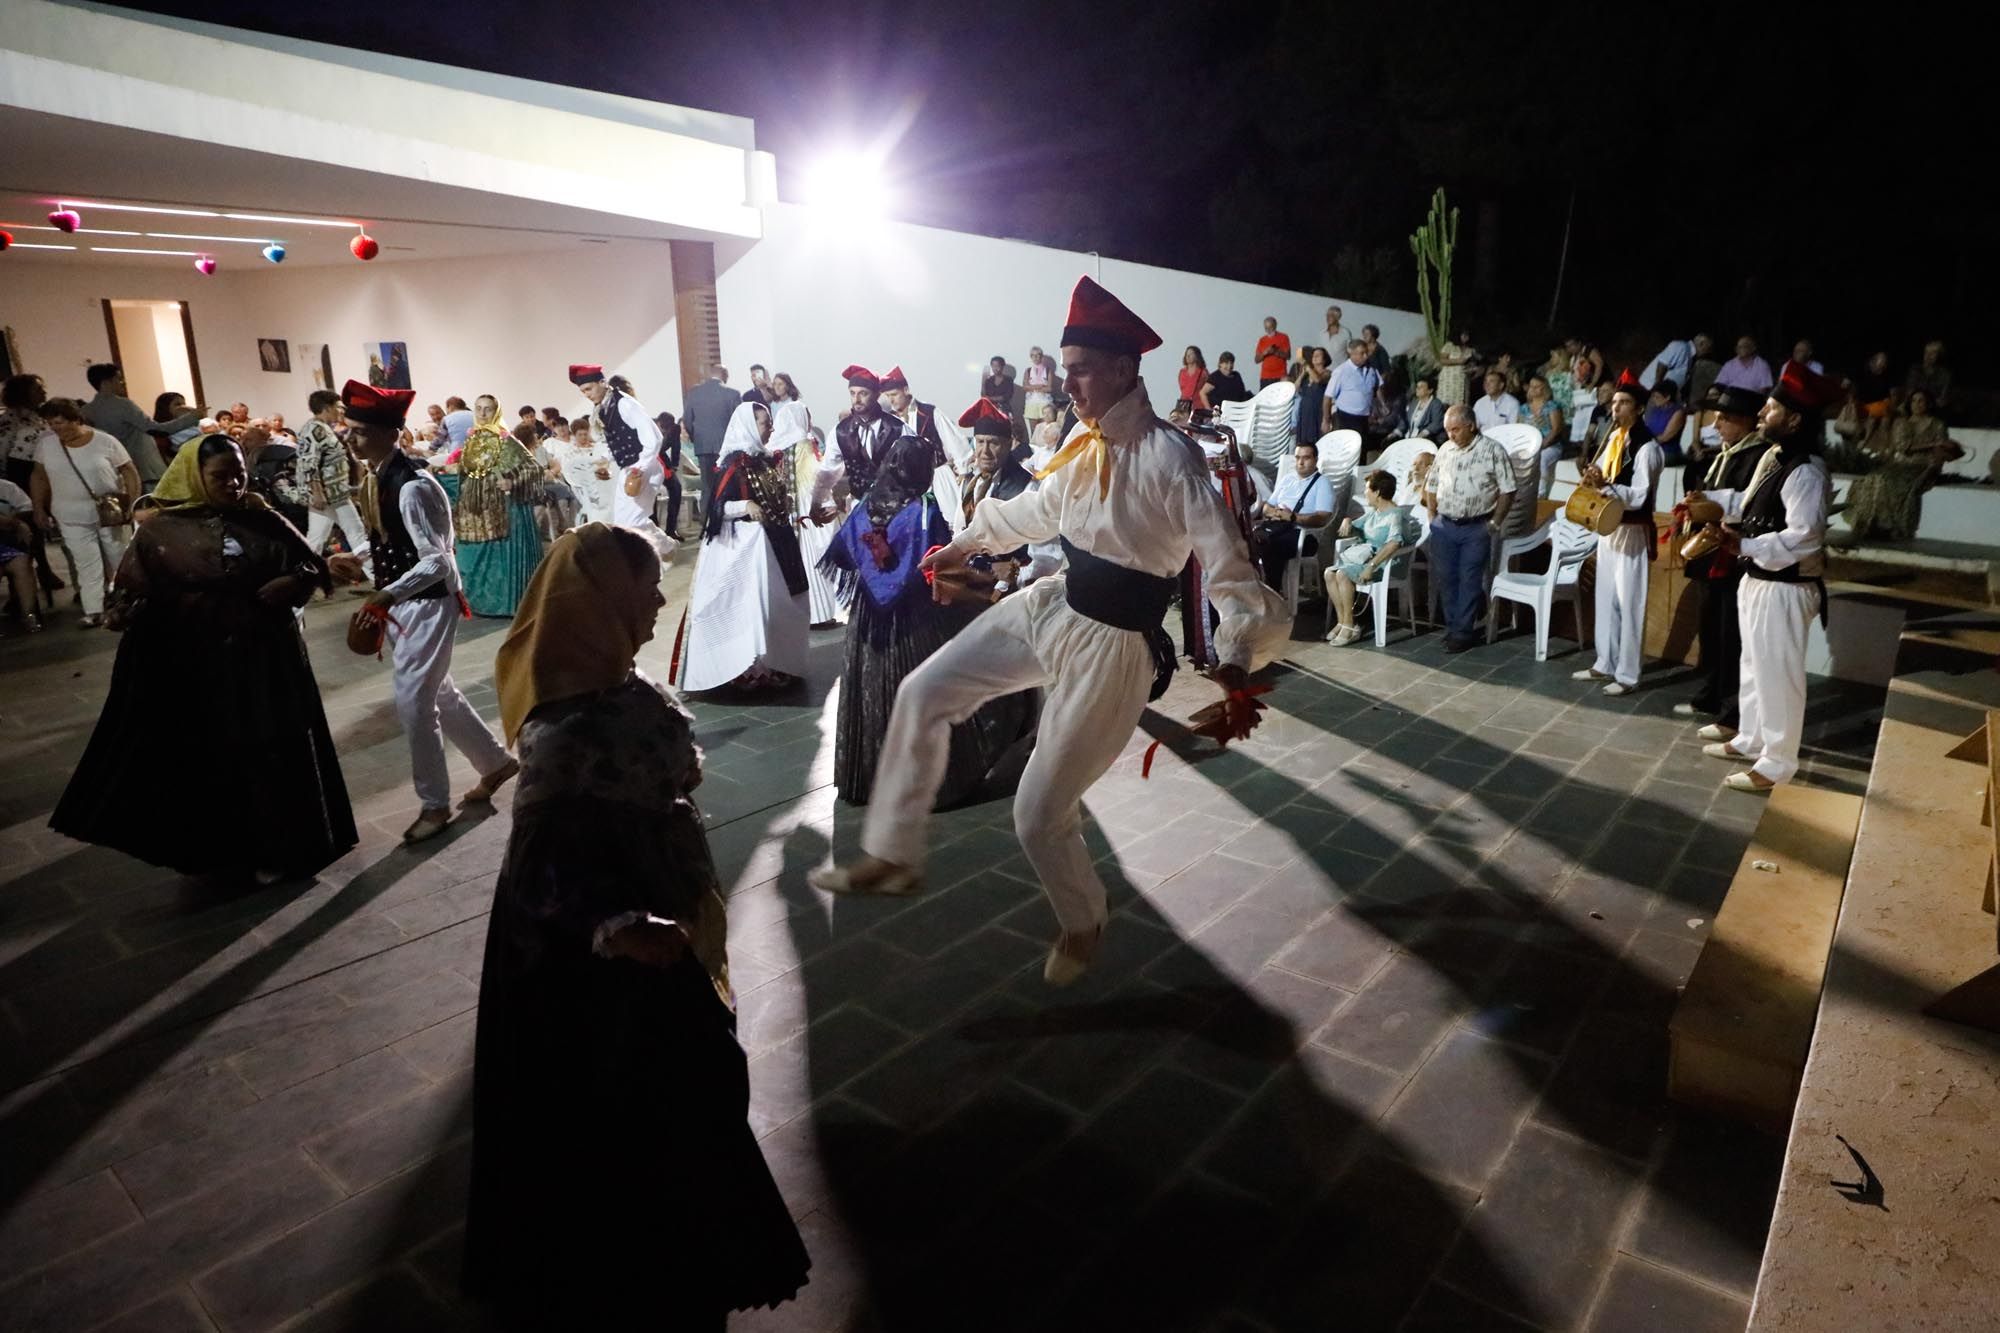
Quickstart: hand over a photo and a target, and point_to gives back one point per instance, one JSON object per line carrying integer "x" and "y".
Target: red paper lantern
{"x": 364, "y": 247}
{"x": 6, "y": 239}
{"x": 65, "y": 220}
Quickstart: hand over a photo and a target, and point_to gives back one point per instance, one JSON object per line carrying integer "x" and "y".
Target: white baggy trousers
{"x": 426, "y": 699}
{"x": 1621, "y": 602}
{"x": 320, "y": 524}
{"x": 1096, "y": 680}
{"x": 1774, "y": 619}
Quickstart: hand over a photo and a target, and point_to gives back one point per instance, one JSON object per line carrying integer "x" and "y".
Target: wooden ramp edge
{"x": 1742, "y": 1030}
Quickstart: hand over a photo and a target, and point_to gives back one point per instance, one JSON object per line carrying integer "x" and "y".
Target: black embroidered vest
{"x": 619, "y": 436}
{"x": 391, "y": 551}
{"x": 1764, "y": 513}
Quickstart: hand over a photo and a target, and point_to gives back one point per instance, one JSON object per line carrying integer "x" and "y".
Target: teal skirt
{"x": 497, "y": 573}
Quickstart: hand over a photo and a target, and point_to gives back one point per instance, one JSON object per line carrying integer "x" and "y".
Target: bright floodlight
{"x": 849, "y": 183}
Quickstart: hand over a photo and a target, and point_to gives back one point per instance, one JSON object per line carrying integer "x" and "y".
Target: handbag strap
{"x": 67, "y": 451}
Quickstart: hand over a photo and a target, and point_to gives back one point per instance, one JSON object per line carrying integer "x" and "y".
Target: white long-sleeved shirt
{"x": 426, "y": 512}
{"x": 833, "y": 464}
{"x": 1808, "y": 494}
{"x": 1160, "y": 507}
{"x": 1636, "y": 539}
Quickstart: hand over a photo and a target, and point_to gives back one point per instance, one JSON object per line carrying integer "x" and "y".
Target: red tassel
{"x": 674, "y": 662}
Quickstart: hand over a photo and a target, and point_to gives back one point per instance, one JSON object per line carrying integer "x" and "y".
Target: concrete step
{"x": 1740, "y": 1034}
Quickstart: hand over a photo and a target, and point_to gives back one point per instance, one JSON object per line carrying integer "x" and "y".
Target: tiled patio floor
{"x": 1377, "y": 1039}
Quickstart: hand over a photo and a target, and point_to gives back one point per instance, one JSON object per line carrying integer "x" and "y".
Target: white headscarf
{"x": 742, "y": 437}
{"x": 790, "y": 423}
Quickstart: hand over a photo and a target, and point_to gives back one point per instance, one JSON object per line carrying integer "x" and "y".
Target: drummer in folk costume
{"x": 417, "y": 592}
{"x": 1627, "y": 469}
{"x": 633, "y": 439}
{"x": 1129, "y": 499}
{"x": 1779, "y": 518}
{"x": 1740, "y": 447}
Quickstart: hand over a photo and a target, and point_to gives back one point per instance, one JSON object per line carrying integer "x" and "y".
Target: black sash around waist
{"x": 1112, "y": 594}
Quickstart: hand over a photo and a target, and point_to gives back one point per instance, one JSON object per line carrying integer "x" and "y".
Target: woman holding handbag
{"x": 83, "y": 487}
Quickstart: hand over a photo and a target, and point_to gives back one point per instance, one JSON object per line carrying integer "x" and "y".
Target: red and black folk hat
{"x": 581, "y": 374}
{"x": 983, "y": 418}
{"x": 373, "y": 406}
{"x": 1099, "y": 319}
{"x": 894, "y": 378}
{"x": 861, "y": 377}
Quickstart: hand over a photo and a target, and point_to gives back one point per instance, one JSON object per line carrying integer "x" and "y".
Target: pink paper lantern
{"x": 65, "y": 220}
{"x": 205, "y": 265}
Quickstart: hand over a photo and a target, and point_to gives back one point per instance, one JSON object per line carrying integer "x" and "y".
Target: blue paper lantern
{"x": 275, "y": 252}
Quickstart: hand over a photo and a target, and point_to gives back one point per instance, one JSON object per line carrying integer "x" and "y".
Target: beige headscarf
{"x": 578, "y": 628}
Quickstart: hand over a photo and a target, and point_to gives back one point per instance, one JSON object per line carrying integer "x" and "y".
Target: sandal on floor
{"x": 486, "y": 787}
{"x": 894, "y": 882}
{"x": 427, "y": 826}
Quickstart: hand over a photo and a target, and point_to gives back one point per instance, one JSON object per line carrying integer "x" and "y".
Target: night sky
{"x": 1773, "y": 169}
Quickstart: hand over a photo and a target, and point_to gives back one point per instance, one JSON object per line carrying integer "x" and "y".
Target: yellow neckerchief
{"x": 1091, "y": 442}
{"x": 1611, "y": 459}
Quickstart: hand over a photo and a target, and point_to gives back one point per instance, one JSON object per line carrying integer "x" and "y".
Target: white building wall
{"x": 813, "y": 297}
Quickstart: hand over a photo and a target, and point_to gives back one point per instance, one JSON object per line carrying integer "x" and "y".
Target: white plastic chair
{"x": 1523, "y": 444}
{"x": 1398, "y": 575}
{"x": 1263, "y": 425}
{"x": 1570, "y": 546}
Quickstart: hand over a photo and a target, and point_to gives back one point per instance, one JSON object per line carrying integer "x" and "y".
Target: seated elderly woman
{"x": 1385, "y": 535}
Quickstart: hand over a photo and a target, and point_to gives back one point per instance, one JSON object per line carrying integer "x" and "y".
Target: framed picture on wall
{"x": 318, "y": 358}
{"x": 388, "y": 365}
{"x": 275, "y": 354}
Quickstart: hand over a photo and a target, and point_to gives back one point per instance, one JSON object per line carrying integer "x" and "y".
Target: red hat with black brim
{"x": 373, "y": 406}
{"x": 861, "y": 377}
{"x": 895, "y": 379}
{"x": 983, "y": 418}
{"x": 1629, "y": 383}
{"x": 580, "y": 375}
{"x": 1099, "y": 319}
{"x": 1804, "y": 391}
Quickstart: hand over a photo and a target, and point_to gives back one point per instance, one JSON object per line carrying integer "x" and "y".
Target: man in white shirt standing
{"x": 1353, "y": 391}
{"x": 1498, "y": 407}
{"x": 1130, "y": 501}
{"x": 417, "y": 594}
{"x": 1303, "y": 499}
{"x": 1468, "y": 492}
{"x": 633, "y": 439}
{"x": 1628, "y": 468}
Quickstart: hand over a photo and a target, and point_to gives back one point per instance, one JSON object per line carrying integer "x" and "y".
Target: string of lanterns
{"x": 69, "y": 221}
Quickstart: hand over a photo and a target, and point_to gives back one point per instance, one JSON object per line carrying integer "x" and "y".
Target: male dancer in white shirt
{"x": 1129, "y": 499}
{"x": 410, "y": 546}
{"x": 1627, "y": 467}
{"x": 633, "y": 439}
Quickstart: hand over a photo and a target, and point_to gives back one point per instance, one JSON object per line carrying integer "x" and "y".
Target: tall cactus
{"x": 1433, "y": 244}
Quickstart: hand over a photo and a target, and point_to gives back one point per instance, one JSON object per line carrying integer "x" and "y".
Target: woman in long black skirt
{"x": 615, "y": 1180}
{"x": 893, "y": 625}
{"x": 213, "y": 683}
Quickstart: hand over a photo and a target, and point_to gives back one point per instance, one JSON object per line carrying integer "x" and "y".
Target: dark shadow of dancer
{"x": 43, "y": 1123}
{"x": 990, "y": 1154}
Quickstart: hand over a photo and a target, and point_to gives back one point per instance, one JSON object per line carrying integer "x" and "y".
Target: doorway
{"x": 153, "y": 343}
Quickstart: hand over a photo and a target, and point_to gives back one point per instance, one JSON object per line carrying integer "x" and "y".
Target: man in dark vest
{"x": 410, "y": 549}
{"x": 633, "y": 440}
{"x": 1779, "y": 519}
{"x": 918, "y": 419}
{"x": 1715, "y": 576}
{"x": 1628, "y": 468}
{"x": 861, "y": 442}
{"x": 1129, "y": 499}
{"x": 993, "y": 474}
